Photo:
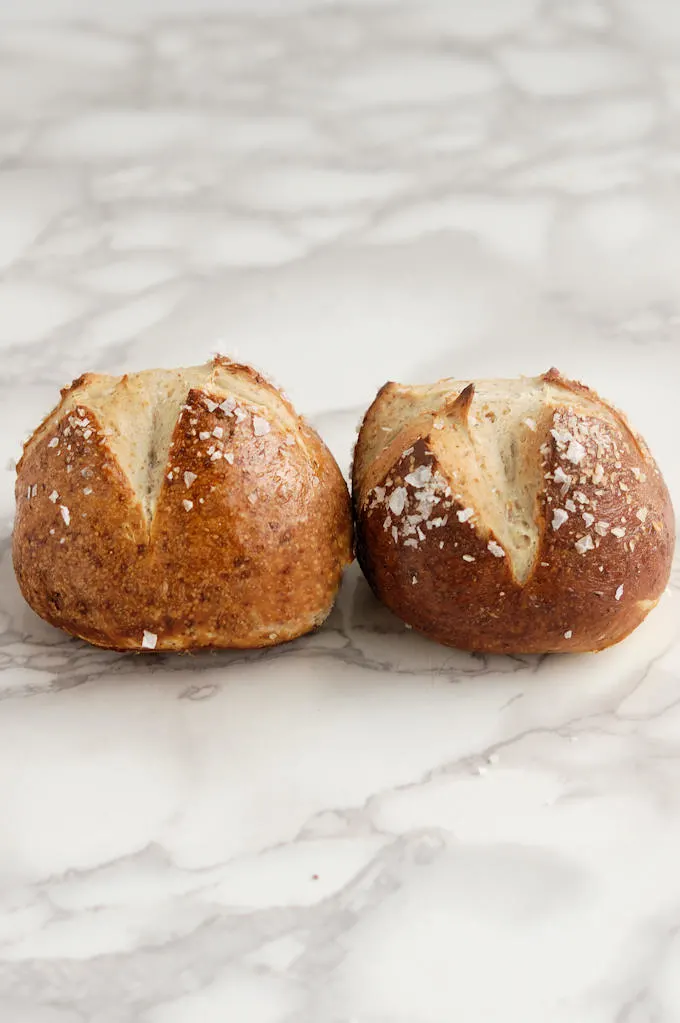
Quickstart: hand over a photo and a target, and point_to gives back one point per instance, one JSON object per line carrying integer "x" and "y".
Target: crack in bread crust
{"x": 141, "y": 412}
{"x": 486, "y": 437}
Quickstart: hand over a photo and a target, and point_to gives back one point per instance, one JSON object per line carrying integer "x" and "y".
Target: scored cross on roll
{"x": 510, "y": 516}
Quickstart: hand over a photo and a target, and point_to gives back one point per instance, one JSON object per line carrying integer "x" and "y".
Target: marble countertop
{"x": 362, "y": 826}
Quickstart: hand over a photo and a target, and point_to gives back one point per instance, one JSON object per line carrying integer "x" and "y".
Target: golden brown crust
{"x": 604, "y": 524}
{"x": 245, "y": 547}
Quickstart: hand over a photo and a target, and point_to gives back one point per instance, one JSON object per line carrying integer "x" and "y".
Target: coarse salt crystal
{"x": 584, "y": 543}
{"x": 414, "y": 580}
{"x": 189, "y": 478}
{"x": 531, "y": 424}
{"x": 568, "y": 634}
{"x": 53, "y": 443}
{"x": 618, "y": 531}
{"x": 228, "y": 405}
{"x": 559, "y": 518}
{"x": 210, "y": 405}
{"x": 229, "y": 457}
{"x": 562, "y": 437}
{"x": 188, "y": 505}
{"x": 204, "y": 434}
{"x": 588, "y": 519}
{"x": 569, "y": 505}
{"x": 87, "y": 434}
{"x": 216, "y": 455}
{"x": 420, "y": 476}
{"x": 575, "y": 452}
{"x": 397, "y": 500}
{"x": 65, "y": 513}
{"x": 252, "y": 498}
{"x": 561, "y": 476}
{"x": 468, "y": 557}
{"x": 641, "y": 514}
{"x": 240, "y": 414}
{"x": 260, "y": 426}
{"x": 54, "y": 496}
{"x": 465, "y": 514}
{"x": 149, "y": 640}
{"x": 496, "y": 549}
{"x": 598, "y": 474}
{"x": 619, "y": 592}
{"x": 602, "y": 528}
{"x": 218, "y": 431}
{"x": 87, "y": 490}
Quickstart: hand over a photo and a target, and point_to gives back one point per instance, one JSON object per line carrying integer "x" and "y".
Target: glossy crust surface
{"x": 179, "y": 510}
{"x": 441, "y": 538}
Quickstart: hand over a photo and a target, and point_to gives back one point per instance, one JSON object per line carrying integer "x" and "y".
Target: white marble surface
{"x": 362, "y": 827}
